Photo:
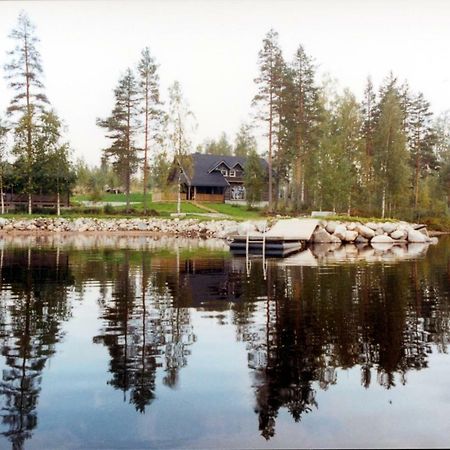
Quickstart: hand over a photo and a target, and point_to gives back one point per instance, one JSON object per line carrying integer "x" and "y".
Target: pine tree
{"x": 149, "y": 90}
{"x": 270, "y": 84}
{"x": 122, "y": 127}
{"x": 306, "y": 114}
{"x": 391, "y": 157}
{"x": 422, "y": 138}
{"x": 369, "y": 117}
{"x": 24, "y": 72}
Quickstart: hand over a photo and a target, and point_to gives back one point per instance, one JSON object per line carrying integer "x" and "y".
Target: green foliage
{"x": 122, "y": 126}
{"x": 245, "y": 142}
{"x": 220, "y": 147}
{"x": 254, "y": 178}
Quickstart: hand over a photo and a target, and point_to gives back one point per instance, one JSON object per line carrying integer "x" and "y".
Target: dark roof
{"x": 203, "y": 166}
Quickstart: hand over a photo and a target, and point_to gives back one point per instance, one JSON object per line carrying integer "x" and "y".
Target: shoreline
{"x": 326, "y": 231}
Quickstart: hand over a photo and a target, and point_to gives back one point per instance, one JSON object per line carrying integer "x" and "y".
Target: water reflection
{"x": 312, "y": 315}
{"x": 33, "y": 306}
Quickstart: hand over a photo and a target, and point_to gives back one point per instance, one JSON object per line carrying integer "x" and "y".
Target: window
{"x": 224, "y": 172}
{"x": 232, "y": 173}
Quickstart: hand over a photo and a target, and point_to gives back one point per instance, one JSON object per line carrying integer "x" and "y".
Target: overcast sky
{"x": 211, "y": 47}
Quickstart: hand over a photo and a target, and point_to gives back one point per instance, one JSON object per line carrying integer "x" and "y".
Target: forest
{"x": 386, "y": 154}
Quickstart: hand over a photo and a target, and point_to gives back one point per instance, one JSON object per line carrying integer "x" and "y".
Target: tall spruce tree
{"x": 369, "y": 121}
{"x": 122, "y": 127}
{"x": 421, "y": 142}
{"x": 149, "y": 90}
{"x": 306, "y": 113}
{"x": 391, "y": 156}
{"x": 24, "y": 73}
{"x": 270, "y": 86}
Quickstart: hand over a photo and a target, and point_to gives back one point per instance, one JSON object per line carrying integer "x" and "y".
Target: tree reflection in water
{"x": 33, "y": 306}
{"x": 301, "y": 325}
{"x": 382, "y": 318}
{"x": 144, "y": 329}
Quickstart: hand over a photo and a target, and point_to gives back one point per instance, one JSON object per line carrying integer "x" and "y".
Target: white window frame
{"x": 224, "y": 172}
{"x": 232, "y": 173}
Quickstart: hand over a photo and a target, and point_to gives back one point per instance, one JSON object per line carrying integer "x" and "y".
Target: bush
{"x": 108, "y": 209}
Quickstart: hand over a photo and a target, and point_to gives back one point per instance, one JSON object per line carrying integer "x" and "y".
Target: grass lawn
{"x": 166, "y": 208}
{"x": 235, "y": 211}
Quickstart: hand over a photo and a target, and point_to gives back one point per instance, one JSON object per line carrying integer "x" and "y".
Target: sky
{"x": 211, "y": 47}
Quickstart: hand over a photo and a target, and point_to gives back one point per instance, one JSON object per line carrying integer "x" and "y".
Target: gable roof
{"x": 203, "y": 166}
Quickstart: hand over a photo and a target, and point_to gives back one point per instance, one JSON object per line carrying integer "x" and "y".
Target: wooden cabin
{"x": 212, "y": 178}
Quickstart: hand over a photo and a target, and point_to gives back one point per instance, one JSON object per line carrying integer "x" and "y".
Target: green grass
{"x": 235, "y": 211}
{"x": 356, "y": 219}
{"x": 134, "y": 197}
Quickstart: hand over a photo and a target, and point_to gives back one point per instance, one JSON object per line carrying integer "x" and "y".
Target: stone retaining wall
{"x": 327, "y": 231}
{"x": 371, "y": 232}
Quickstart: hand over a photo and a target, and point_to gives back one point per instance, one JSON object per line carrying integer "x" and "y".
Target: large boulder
{"x": 399, "y": 235}
{"x": 331, "y": 226}
{"x": 382, "y": 239}
{"x": 350, "y": 236}
{"x": 365, "y": 232}
{"x": 372, "y": 225}
{"x": 340, "y": 232}
{"x": 416, "y": 236}
{"x": 322, "y": 236}
{"x": 361, "y": 240}
{"x": 389, "y": 227}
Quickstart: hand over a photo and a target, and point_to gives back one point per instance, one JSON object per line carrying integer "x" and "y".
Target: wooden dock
{"x": 287, "y": 236}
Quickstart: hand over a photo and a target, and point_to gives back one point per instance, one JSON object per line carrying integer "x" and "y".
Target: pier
{"x": 287, "y": 236}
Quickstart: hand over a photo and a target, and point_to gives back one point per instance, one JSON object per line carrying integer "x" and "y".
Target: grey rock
{"x": 350, "y": 236}
{"x": 416, "y": 236}
{"x": 399, "y": 234}
{"x": 389, "y": 227}
{"x": 331, "y": 226}
{"x": 366, "y": 232}
{"x": 340, "y": 232}
{"x": 322, "y": 236}
{"x": 382, "y": 239}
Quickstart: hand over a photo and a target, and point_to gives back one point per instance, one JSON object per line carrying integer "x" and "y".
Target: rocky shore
{"x": 327, "y": 232}
{"x": 371, "y": 232}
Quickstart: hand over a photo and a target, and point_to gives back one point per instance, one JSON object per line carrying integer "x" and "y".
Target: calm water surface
{"x": 115, "y": 342}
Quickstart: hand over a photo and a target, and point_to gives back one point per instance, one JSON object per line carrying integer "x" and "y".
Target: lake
{"x": 144, "y": 342}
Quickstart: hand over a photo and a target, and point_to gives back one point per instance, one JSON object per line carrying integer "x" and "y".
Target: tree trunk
{"x": 179, "y": 193}
{"x": 28, "y": 124}
{"x": 58, "y": 204}
{"x": 270, "y": 154}
{"x": 1, "y": 194}
{"x": 416, "y": 183}
{"x": 146, "y": 148}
